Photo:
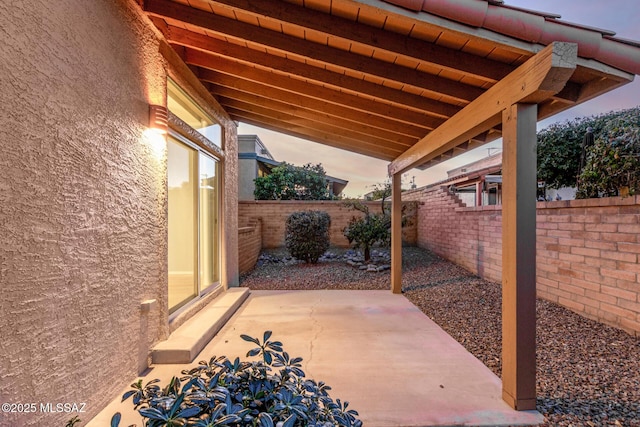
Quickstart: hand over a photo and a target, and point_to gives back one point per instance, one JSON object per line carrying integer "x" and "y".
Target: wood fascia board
{"x": 394, "y": 43}
{"x": 314, "y": 136}
{"x": 246, "y": 90}
{"x": 287, "y": 112}
{"x": 311, "y": 90}
{"x": 205, "y": 50}
{"x": 536, "y": 80}
{"x": 437, "y": 86}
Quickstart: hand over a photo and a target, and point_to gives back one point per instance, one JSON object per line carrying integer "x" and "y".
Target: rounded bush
{"x": 307, "y": 235}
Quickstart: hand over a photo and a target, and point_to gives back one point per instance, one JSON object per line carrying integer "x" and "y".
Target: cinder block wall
{"x": 274, "y": 213}
{"x": 587, "y": 250}
{"x": 249, "y": 244}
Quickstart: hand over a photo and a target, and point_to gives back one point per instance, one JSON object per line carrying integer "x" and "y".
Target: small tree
{"x": 372, "y": 229}
{"x": 289, "y": 182}
{"x": 613, "y": 163}
{"x": 307, "y": 235}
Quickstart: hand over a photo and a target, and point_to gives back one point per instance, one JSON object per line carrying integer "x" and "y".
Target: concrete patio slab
{"x": 375, "y": 349}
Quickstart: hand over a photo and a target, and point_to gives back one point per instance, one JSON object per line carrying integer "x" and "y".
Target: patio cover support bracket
{"x": 538, "y": 79}
{"x": 519, "y": 256}
{"x": 512, "y": 101}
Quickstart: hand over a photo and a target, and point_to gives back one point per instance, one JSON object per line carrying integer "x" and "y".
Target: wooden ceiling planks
{"x": 373, "y": 77}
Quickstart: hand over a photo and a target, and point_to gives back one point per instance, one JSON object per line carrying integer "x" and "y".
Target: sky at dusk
{"x": 621, "y": 16}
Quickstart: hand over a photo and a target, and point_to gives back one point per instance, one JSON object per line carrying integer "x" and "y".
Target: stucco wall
{"x": 83, "y": 203}
{"x": 231, "y": 275}
{"x": 587, "y": 250}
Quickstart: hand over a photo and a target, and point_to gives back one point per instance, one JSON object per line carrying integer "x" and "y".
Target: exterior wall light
{"x": 158, "y": 119}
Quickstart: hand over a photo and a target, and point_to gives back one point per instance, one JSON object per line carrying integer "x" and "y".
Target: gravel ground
{"x": 588, "y": 373}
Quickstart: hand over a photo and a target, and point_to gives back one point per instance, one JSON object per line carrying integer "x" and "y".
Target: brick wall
{"x": 249, "y": 244}
{"x": 274, "y": 214}
{"x": 587, "y": 250}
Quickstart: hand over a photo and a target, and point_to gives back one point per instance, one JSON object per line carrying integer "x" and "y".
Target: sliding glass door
{"x": 193, "y": 183}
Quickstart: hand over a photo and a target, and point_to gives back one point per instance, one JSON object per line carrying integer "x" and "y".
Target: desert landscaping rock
{"x": 588, "y": 373}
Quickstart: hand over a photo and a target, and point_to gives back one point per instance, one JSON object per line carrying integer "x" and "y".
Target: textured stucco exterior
{"x": 83, "y": 203}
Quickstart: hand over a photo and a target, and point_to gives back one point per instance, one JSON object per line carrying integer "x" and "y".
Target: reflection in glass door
{"x": 208, "y": 221}
{"x": 193, "y": 223}
{"x": 181, "y": 161}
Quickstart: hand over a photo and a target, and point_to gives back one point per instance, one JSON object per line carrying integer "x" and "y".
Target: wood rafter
{"x": 354, "y": 32}
{"x": 314, "y": 135}
{"x": 236, "y": 70}
{"x": 209, "y": 49}
{"x": 437, "y": 87}
{"x": 274, "y": 109}
{"x": 234, "y": 88}
{"x": 235, "y": 107}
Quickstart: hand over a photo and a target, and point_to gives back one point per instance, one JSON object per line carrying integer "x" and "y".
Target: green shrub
{"x": 559, "y": 148}
{"x": 289, "y": 182}
{"x": 613, "y": 163}
{"x": 222, "y": 392}
{"x": 307, "y": 235}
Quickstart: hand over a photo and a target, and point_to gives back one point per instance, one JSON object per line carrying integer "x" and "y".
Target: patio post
{"x": 396, "y": 233}
{"x": 519, "y": 256}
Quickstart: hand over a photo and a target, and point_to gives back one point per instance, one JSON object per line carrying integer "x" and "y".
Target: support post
{"x": 479, "y": 187}
{"x": 396, "y": 233}
{"x": 519, "y": 256}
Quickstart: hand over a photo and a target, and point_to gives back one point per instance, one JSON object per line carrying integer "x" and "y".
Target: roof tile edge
{"x": 534, "y": 27}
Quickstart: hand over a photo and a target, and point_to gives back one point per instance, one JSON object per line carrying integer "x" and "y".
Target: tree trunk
{"x": 367, "y": 254}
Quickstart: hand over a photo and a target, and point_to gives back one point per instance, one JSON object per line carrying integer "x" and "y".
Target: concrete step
{"x": 184, "y": 344}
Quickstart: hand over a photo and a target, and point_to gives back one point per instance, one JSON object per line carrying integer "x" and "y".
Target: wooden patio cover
{"x": 414, "y": 82}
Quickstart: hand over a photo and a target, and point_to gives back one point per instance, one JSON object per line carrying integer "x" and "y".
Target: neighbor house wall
{"x": 247, "y": 173}
{"x": 83, "y": 206}
{"x": 587, "y": 250}
{"x": 274, "y": 213}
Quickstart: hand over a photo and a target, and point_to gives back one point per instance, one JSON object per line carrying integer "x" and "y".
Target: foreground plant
{"x": 222, "y": 392}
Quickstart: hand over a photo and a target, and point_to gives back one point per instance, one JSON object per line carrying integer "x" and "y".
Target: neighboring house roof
{"x": 269, "y": 162}
{"x": 372, "y": 76}
{"x": 337, "y": 184}
{"x": 472, "y": 171}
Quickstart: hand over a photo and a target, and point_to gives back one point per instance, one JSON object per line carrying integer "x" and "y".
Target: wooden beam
{"x": 296, "y": 121}
{"x": 440, "y": 88}
{"x": 210, "y": 49}
{"x": 242, "y": 73}
{"x": 396, "y": 234}
{"x": 258, "y": 94}
{"x": 335, "y": 94}
{"x": 314, "y": 136}
{"x": 519, "y": 256}
{"x": 283, "y": 112}
{"x": 403, "y": 47}
{"x": 538, "y": 79}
